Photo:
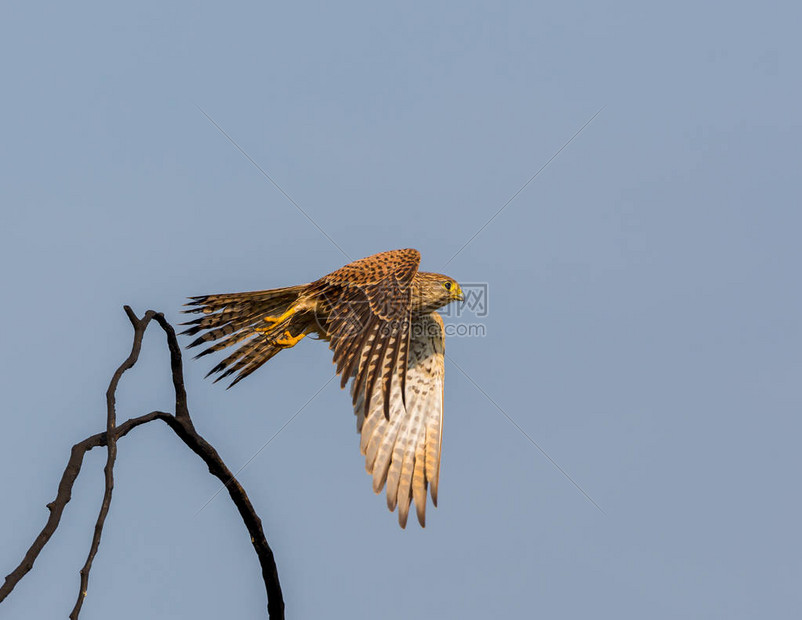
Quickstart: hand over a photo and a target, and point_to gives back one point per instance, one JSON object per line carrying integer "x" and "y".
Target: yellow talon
{"x": 289, "y": 340}
{"x": 274, "y": 320}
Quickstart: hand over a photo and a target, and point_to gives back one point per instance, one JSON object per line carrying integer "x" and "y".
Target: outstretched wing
{"x": 404, "y": 450}
{"x": 369, "y": 312}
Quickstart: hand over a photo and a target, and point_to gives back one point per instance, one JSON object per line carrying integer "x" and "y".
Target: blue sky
{"x": 643, "y": 322}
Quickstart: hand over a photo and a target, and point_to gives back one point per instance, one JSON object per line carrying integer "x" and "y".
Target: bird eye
{"x": 447, "y": 285}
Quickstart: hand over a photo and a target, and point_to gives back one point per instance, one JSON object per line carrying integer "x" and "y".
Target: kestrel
{"x": 379, "y": 317}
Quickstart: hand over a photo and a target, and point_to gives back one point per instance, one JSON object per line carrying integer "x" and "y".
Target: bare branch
{"x": 177, "y": 368}
{"x": 111, "y": 443}
{"x": 64, "y": 495}
{"x": 181, "y": 425}
{"x": 201, "y": 447}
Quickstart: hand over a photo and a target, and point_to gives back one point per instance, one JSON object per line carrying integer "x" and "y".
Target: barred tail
{"x": 233, "y": 318}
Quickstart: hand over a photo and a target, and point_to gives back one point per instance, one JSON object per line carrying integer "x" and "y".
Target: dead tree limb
{"x": 181, "y": 424}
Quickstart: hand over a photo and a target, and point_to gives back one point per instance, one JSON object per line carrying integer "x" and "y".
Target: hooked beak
{"x": 459, "y": 296}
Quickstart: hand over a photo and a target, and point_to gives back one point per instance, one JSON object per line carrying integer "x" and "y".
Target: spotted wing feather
{"x": 369, "y": 320}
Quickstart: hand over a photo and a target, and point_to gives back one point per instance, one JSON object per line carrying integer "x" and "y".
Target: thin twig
{"x": 111, "y": 444}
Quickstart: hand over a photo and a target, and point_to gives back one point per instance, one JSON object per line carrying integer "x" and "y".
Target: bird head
{"x": 434, "y": 290}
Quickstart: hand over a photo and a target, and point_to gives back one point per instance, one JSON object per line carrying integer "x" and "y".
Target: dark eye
{"x": 447, "y": 285}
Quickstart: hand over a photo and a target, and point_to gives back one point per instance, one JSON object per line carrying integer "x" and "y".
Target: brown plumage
{"x": 378, "y": 315}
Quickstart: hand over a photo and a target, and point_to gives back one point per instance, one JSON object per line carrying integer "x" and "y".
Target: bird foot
{"x": 288, "y": 340}
{"x": 275, "y": 320}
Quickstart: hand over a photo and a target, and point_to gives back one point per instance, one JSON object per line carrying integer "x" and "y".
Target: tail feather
{"x": 246, "y": 365}
{"x": 213, "y": 334}
{"x": 235, "y": 361}
{"x": 230, "y": 319}
{"x": 214, "y": 303}
{"x": 211, "y": 321}
{"x": 219, "y": 346}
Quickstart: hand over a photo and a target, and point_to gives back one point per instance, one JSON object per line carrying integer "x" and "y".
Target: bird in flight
{"x": 379, "y": 316}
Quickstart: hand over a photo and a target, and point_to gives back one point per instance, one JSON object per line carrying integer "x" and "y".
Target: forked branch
{"x": 181, "y": 424}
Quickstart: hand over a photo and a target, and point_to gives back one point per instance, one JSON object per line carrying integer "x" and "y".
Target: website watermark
{"x": 465, "y": 330}
{"x": 475, "y": 301}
